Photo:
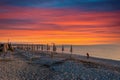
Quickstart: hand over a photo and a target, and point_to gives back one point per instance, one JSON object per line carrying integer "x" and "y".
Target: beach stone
{"x": 73, "y": 71}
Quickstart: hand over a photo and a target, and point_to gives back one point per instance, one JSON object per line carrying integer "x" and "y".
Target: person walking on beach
{"x": 88, "y": 56}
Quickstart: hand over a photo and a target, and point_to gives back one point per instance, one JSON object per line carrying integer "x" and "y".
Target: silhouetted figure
{"x": 88, "y": 56}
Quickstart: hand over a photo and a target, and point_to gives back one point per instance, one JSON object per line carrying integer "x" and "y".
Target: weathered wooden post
{"x": 10, "y": 48}
{"x": 54, "y": 50}
{"x": 71, "y": 50}
{"x": 36, "y": 47}
{"x": 48, "y": 48}
{"x": 32, "y": 48}
{"x": 42, "y": 47}
{"x": 27, "y": 47}
{"x": 62, "y": 48}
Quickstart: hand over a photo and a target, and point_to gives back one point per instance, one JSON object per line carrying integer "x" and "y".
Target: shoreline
{"x": 91, "y": 58}
{"x": 114, "y": 63}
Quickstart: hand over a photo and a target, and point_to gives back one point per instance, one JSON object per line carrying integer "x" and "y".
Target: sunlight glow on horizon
{"x": 58, "y": 37}
{"x": 61, "y": 26}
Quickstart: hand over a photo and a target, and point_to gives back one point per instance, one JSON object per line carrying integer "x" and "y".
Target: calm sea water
{"x": 101, "y": 51}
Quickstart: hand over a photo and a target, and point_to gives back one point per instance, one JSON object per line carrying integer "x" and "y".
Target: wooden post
{"x": 54, "y": 50}
{"x": 71, "y": 50}
{"x": 62, "y": 48}
{"x": 48, "y": 48}
{"x": 41, "y": 47}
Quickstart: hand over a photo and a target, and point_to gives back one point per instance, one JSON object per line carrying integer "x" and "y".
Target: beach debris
{"x": 10, "y": 48}
{"x": 49, "y": 62}
{"x": 5, "y": 48}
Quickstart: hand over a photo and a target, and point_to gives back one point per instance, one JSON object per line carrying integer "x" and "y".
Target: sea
{"x": 100, "y": 51}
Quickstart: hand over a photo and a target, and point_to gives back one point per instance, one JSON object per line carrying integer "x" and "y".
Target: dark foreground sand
{"x": 19, "y": 69}
{"x": 45, "y": 68}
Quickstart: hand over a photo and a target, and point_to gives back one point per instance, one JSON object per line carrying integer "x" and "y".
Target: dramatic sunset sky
{"x": 60, "y": 21}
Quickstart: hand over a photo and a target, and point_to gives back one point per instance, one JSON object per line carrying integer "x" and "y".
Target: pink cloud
{"x": 79, "y": 23}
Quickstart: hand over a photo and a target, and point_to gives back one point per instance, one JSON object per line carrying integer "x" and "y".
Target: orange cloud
{"x": 62, "y": 26}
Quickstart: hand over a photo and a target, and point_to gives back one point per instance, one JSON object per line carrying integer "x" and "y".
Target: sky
{"x": 79, "y": 22}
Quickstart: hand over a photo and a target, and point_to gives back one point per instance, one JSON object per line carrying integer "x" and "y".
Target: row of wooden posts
{"x": 41, "y": 47}
{"x": 33, "y": 47}
{"x": 37, "y": 47}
